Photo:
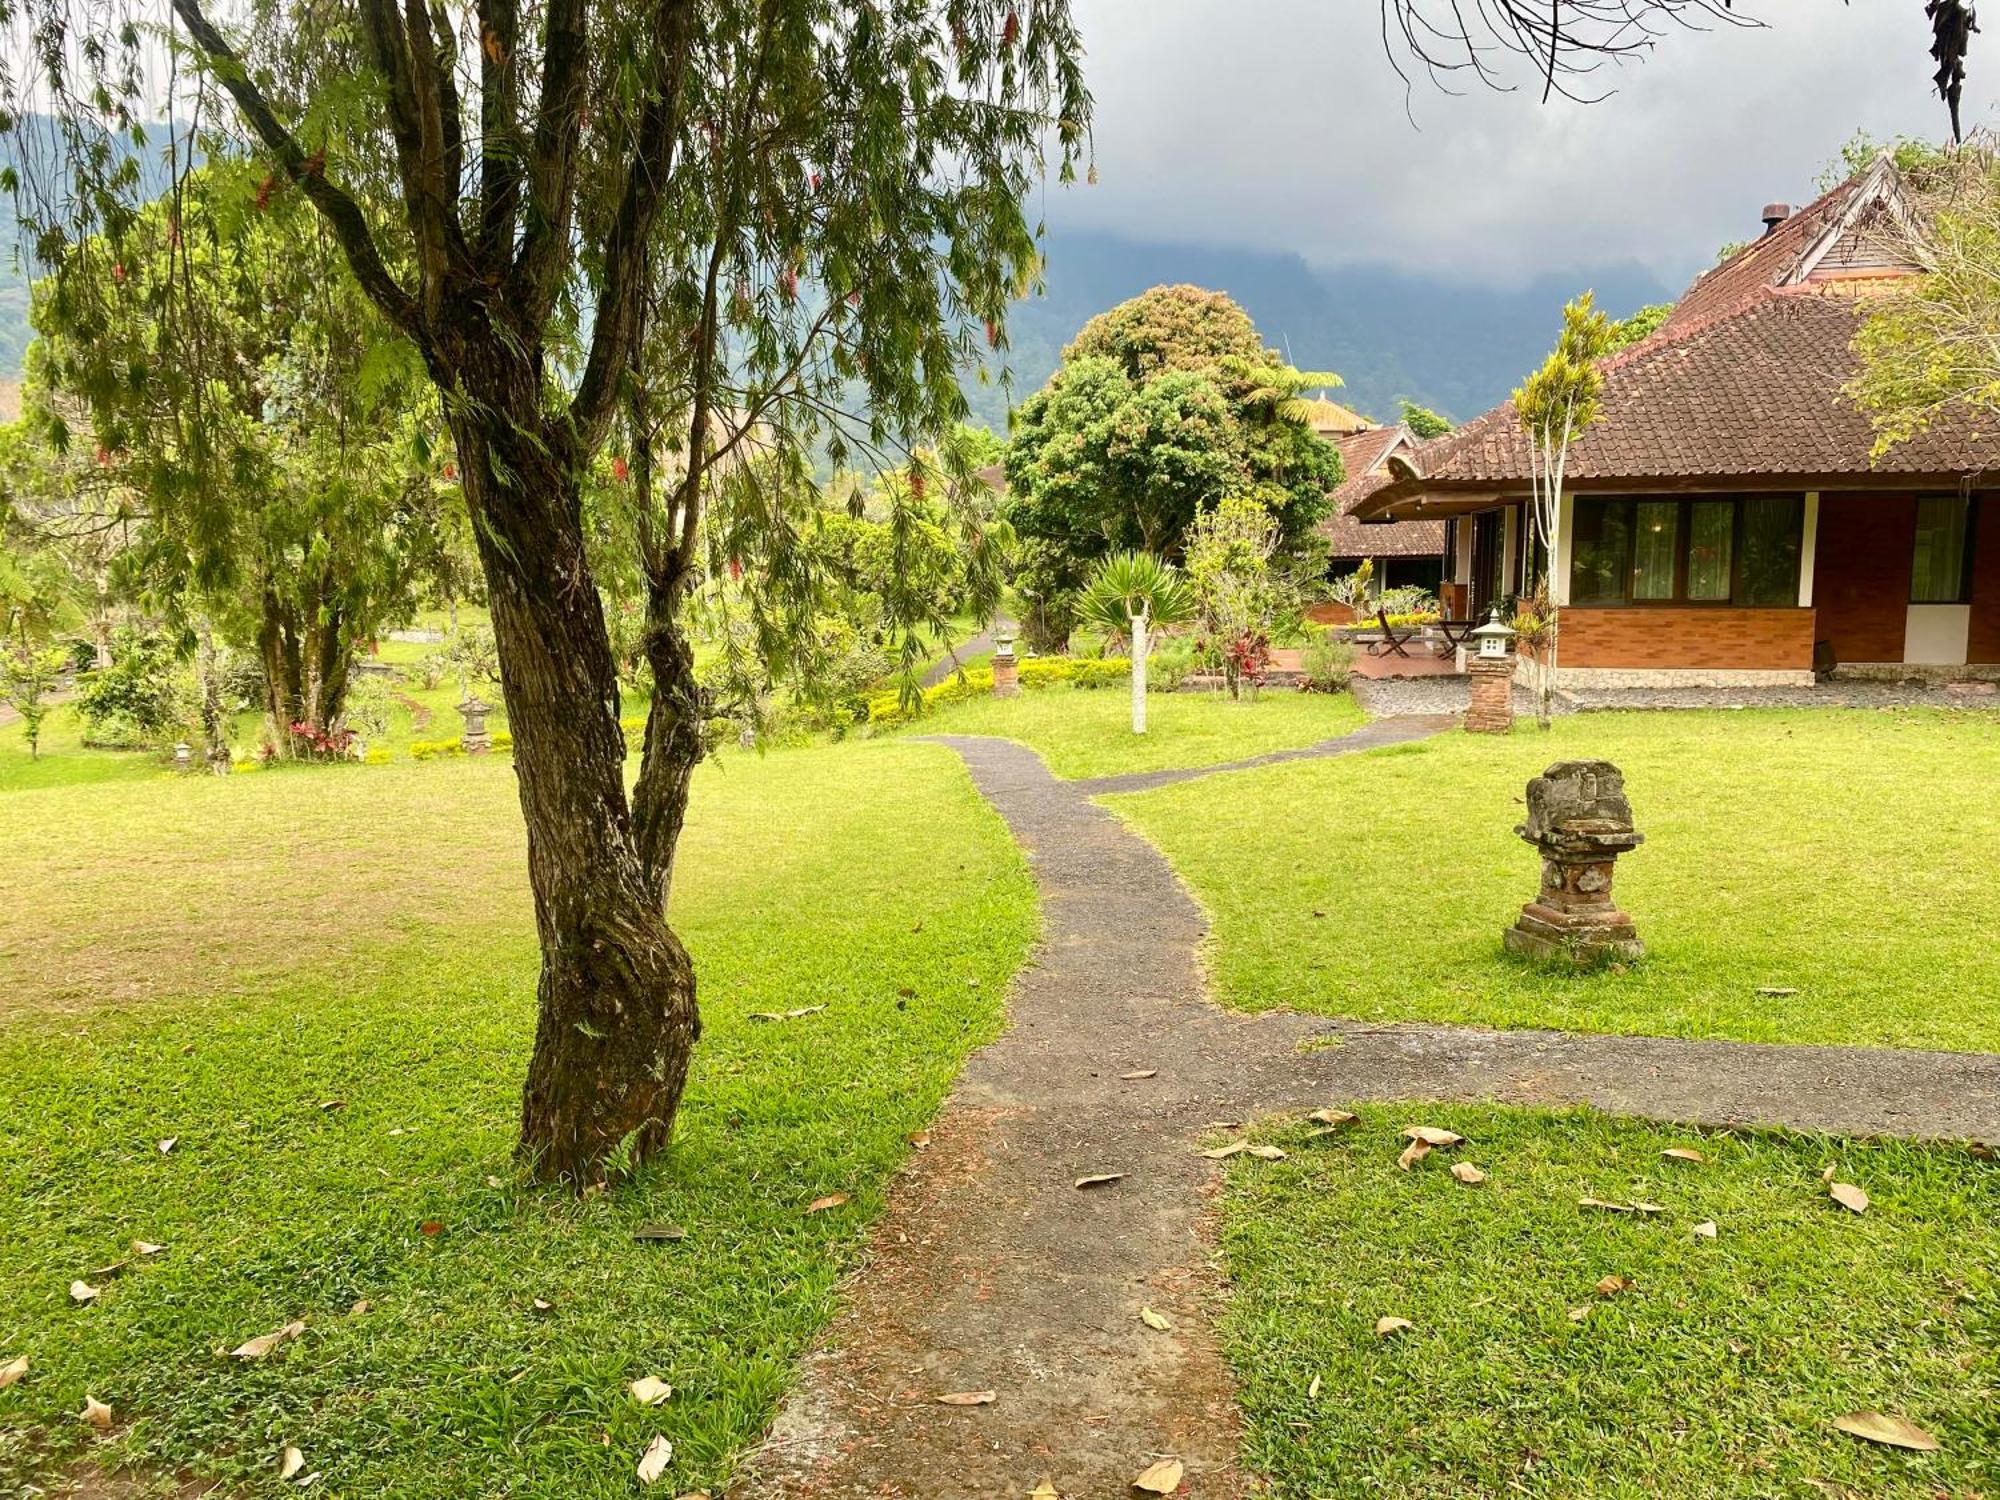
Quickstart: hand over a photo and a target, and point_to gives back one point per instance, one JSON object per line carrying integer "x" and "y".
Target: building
{"x": 1723, "y": 522}
{"x": 1403, "y": 554}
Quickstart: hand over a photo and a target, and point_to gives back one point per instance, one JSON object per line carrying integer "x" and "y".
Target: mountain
{"x": 1454, "y": 345}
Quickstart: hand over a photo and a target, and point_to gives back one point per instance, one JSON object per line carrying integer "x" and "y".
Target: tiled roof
{"x": 1332, "y": 420}
{"x": 1744, "y": 381}
{"x": 1757, "y": 391}
{"x": 1363, "y": 455}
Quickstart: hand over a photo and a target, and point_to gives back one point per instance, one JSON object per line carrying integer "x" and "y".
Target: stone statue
{"x": 1580, "y": 821}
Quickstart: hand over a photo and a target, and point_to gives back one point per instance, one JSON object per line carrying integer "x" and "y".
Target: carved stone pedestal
{"x": 1580, "y": 821}
{"x": 1006, "y": 676}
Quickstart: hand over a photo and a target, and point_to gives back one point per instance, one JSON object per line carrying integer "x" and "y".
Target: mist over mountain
{"x": 1457, "y": 346}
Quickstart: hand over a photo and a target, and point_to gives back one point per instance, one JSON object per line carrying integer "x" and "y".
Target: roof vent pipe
{"x": 1774, "y": 215}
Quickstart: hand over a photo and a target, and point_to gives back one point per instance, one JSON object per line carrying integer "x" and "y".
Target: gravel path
{"x": 991, "y": 1270}
{"x": 1391, "y": 697}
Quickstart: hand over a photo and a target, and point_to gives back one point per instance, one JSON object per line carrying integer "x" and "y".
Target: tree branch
{"x": 536, "y": 275}
{"x": 342, "y": 213}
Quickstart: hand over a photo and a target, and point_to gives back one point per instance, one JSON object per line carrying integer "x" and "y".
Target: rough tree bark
{"x": 617, "y": 1019}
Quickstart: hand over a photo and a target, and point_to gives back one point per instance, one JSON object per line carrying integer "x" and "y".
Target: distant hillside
{"x": 1456, "y": 346}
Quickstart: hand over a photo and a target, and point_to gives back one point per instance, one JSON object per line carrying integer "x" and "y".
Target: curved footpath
{"x": 992, "y": 1271}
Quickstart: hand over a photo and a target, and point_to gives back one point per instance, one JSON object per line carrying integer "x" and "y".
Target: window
{"x": 1600, "y": 551}
{"x": 1938, "y": 569}
{"x": 1737, "y": 551}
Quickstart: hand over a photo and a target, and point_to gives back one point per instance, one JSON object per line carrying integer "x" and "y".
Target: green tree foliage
{"x": 1926, "y": 347}
{"x": 36, "y": 608}
{"x": 1641, "y": 326}
{"x": 1423, "y": 423}
{"x": 1164, "y": 405}
{"x": 270, "y": 421}
{"x": 1229, "y": 552}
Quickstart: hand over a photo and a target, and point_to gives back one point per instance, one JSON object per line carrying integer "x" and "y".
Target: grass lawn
{"x": 1085, "y": 732}
{"x": 216, "y": 960}
{"x": 1849, "y": 856}
{"x": 1719, "y": 1372}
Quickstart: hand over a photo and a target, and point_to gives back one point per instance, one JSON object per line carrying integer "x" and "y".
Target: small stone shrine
{"x": 1580, "y": 821}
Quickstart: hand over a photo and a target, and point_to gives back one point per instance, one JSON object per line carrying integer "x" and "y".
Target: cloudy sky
{"x": 1280, "y": 124}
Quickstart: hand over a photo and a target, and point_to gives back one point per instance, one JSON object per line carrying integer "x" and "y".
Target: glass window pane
{"x": 1767, "y": 569}
{"x": 1937, "y": 571}
{"x": 1600, "y": 551}
{"x": 1655, "y": 547}
{"x": 1711, "y": 537}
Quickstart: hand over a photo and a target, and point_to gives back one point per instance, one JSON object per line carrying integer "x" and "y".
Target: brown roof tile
{"x": 1363, "y": 455}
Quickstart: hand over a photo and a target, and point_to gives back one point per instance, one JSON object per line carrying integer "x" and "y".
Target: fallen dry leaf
{"x": 1893, "y": 1430}
{"x": 650, "y": 1390}
{"x": 651, "y": 1232}
{"x": 1138, "y": 1073}
{"x": 1849, "y": 1197}
{"x": 1611, "y": 1286}
{"x": 1829, "y": 1174}
{"x": 1155, "y": 1319}
{"x": 1649, "y": 1208}
{"x": 1099, "y": 1179}
{"x": 659, "y": 1453}
{"x": 1223, "y": 1153}
{"x": 363, "y": 1305}
{"x": 431, "y": 1228}
{"x": 96, "y": 1413}
{"x": 1578, "y": 1314}
{"x": 333, "y": 1104}
{"x": 1776, "y": 991}
{"x": 168, "y": 1144}
{"x": 1385, "y": 1327}
{"x": 1332, "y": 1117}
{"x": 821, "y": 1205}
{"x": 1706, "y": 1229}
{"x": 1046, "y": 1490}
{"x": 1682, "y": 1153}
{"x": 1430, "y": 1135}
{"x": 1161, "y": 1478}
{"x": 147, "y": 1247}
{"x": 81, "y": 1292}
{"x": 13, "y": 1370}
{"x": 264, "y": 1343}
{"x": 291, "y": 1463}
{"x": 786, "y": 1015}
{"x": 1413, "y": 1153}
{"x": 105, "y": 1273}
{"x": 1267, "y": 1153}
{"x": 969, "y": 1398}
{"x": 1312, "y": 1391}
{"x": 1616, "y": 1208}
{"x": 1465, "y": 1171}
{"x": 919, "y": 1138}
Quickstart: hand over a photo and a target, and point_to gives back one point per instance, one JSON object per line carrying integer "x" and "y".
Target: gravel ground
{"x": 1395, "y": 697}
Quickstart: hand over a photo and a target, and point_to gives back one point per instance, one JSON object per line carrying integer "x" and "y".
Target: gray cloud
{"x": 1280, "y": 124}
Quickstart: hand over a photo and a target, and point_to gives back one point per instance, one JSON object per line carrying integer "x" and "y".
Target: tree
{"x": 1641, "y": 326}
{"x": 1555, "y": 404}
{"x": 1424, "y": 423}
{"x": 35, "y": 605}
{"x": 1926, "y": 347}
{"x": 1129, "y": 593}
{"x": 1164, "y": 405}
{"x": 271, "y": 420}
{"x": 1229, "y": 566}
{"x": 667, "y": 228}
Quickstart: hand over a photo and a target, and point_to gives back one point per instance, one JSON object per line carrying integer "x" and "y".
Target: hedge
{"x": 976, "y": 682}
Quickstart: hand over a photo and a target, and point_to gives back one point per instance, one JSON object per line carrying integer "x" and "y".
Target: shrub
{"x": 432, "y": 749}
{"x": 1328, "y": 662}
{"x": 976, "y": 682}
{"x": 377, "y": 757}
{"x": 140, "y": 699}
{"x": 1170, "y": 664}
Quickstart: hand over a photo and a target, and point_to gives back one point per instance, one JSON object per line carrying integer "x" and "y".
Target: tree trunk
{"x": 214, "y": 733}
{"x": 284, "y": 685}
{"x": 1046, "y": 630}
{"x": 617, "y": 1018}
{"x": 674, "y": 743}
{"x": 1138, "y": 674}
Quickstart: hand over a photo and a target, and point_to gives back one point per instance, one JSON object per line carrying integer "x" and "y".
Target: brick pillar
{"x": 1006, "y": 676}
{"x": 1492, "y": 709}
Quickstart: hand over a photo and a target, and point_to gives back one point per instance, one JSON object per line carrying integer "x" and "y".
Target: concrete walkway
{"x": 947, "y": 665}
{"x": 993, "y": 1271}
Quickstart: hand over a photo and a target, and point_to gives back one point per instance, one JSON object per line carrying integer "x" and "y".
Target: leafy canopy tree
{"x": 1423, "y": 423}
{"x": 668, "y": 227}
{"x": 36, "y": 608}
{"x": 1164, "y": 405}
{"x": 269, "y": 419}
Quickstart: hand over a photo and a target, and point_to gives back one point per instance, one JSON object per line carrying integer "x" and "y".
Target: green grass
{"x": 1086, "y": 732}
{"x": 64, "y": 761}
{"x": 215, "y": 959}
{"x": 1850, "y": 856}
{"x": 1719, "y": 1373}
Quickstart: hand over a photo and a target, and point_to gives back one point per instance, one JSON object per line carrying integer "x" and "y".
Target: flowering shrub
{"x": 976, "y": 682}
{"x": 321, "y": 744}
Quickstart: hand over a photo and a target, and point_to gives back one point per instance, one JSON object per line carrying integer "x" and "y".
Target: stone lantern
{"x": 1491, "y": 710}
{"x": 1006, "y": 667}
{"x": 475, "y": 740}
{"x": 1580, "y": 821}
{"x": 183, "y": 756}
